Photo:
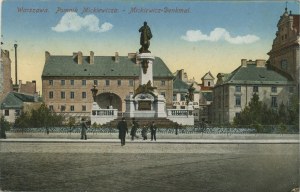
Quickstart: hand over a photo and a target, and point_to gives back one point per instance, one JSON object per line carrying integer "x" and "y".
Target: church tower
{"x": 284, "y": 55}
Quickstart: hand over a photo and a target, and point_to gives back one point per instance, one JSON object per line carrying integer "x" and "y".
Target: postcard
{"x": 203, "y": 93}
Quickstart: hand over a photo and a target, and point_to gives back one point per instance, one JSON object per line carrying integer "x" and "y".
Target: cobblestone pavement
{"x": 149, "y": 167}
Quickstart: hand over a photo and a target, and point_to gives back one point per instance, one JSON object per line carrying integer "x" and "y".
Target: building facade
{"x": 67, "y": 81}
{"x": 16, "y": 103}
{"x": 284, "y": 55}
{"x": 206, "y": 97}
{"x": 5, "y": 74}
{"x": 234, "y": 91}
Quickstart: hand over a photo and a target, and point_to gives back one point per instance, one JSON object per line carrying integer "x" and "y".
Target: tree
{"x": 41, "y": 117}
{"x": 258, "y": 113}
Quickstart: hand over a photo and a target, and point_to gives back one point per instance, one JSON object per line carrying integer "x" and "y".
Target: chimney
{"x": 47, "y": 55}
{"x": 131, "y": 55}
{"x": 34, "y": 83}
{"x": 244, "y": 62}
{"x": 92, "y": 58}
{"x": 117, "y": 59}
{"x": 260, "y": 63}
{"x": 79, "y": 58}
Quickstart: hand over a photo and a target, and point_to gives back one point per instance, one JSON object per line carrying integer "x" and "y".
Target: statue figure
{"x": 191, "y": 92}
{"x": 146, "y": 35}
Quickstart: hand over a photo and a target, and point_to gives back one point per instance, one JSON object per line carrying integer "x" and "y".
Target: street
{"x": 31, "y": 166}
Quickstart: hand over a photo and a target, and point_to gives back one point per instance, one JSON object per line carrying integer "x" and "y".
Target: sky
{"x": 197, "y": 36}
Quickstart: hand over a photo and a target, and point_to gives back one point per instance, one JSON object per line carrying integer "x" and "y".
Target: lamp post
{"x": 94, "y": 92}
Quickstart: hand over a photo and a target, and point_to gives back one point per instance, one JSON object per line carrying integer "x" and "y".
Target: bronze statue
{"x": 146, "y": 35}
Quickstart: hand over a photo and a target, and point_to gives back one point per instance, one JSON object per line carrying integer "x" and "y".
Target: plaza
{"x": 210, "y": 163}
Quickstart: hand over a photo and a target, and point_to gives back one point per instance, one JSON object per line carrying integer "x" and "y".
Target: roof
{"x": 180, "y": 86}
{"x": 206, "y": 88}
{"x": 15, "y": 100}
{"x": 208, "y": 75}
{"x": 208, "y": 96}
{"x": 253, "y": 75}
{"x": 103, "y": 66}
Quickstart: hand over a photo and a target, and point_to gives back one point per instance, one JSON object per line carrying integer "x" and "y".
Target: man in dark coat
{"x": 134, "y": 128}
{"x": 83, "y": 129}
{"x": 153, "y": 131}
{"x": 122, "y": 126}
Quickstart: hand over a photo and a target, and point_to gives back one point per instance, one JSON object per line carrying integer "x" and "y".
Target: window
{"x": 130, "y": 82}
{"x": 51, "y": 94}
{"x": 72, "y": 82}
{"x": 72, "y": 108}
{"x": 237, "y": 115}
{"x": 163, "y": 83}
{"x": 51, "y": 108}
{"x": 50, "y": 82}
{"x": 62, "y": 95}
{"x": 274, "y": 89}
{"x": 6, "y": 112}
{"x": 291, "y": 89}
{"x": 284, "y": 64}
{"x": 62, "y": 82}
{"x": 62, "y": 108}
{"x": 182, "y": 97}
{"x": 208, "y": 83}
{"x": 107, "y": 82}
{"x": 238, "y": 88}
{"x": 72, "y": 95}
{"x": 238, "y": 100}
{"x": 174, "y": 97}
{"x": 83, "y": 108}
{"x": 274, "y": 102}
{"x": 255, "y": 88}
{"x": 83, "y": 82}
{"x": 119, "y": 82}
{"x": 95, "y": 82}
{"x": 83, "y": 95}
{"x": 163, "y": 94}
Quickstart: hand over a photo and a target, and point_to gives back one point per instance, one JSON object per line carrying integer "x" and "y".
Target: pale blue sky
{"x": 182, "y": 40}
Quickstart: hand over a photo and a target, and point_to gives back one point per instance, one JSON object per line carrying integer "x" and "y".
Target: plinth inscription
{"x": 144, "y": 105}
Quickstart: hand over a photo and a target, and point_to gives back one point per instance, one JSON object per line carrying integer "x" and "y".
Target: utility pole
{"x": 16, "y": 65}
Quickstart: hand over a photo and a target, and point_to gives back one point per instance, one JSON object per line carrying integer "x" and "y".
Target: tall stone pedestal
{"x": 145, "y": 103}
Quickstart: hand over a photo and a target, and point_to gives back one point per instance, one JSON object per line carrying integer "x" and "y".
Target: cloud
{"x": 71, "y": 21}
{"x": 218, "y": 34}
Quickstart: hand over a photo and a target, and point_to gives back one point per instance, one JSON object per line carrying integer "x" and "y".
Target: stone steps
{"x": 160, "y": 122}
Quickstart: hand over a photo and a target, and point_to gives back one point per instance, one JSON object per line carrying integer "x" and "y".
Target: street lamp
{"x": 94, "y": 92}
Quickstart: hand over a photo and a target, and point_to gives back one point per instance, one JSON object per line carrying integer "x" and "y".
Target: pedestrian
{"x": 122, "y": 127}
{"x": 144, "y": 132}
{"x": 134, "y": 128}
{"x": 3, "y": 126}
{"x": 153, "y": 131}
{"x": 83, "y": 129}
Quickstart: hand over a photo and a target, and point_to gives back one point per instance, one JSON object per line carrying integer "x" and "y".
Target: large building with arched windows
{"x": 67, "y": 81}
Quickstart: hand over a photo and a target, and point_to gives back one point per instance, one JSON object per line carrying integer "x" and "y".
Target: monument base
{"x": 145, "y": 105}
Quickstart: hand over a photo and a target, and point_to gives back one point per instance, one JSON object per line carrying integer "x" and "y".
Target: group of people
{"x": 123, "y": 129}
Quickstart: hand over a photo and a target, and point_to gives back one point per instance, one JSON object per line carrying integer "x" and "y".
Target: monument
{"x": 145, "y": 102}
